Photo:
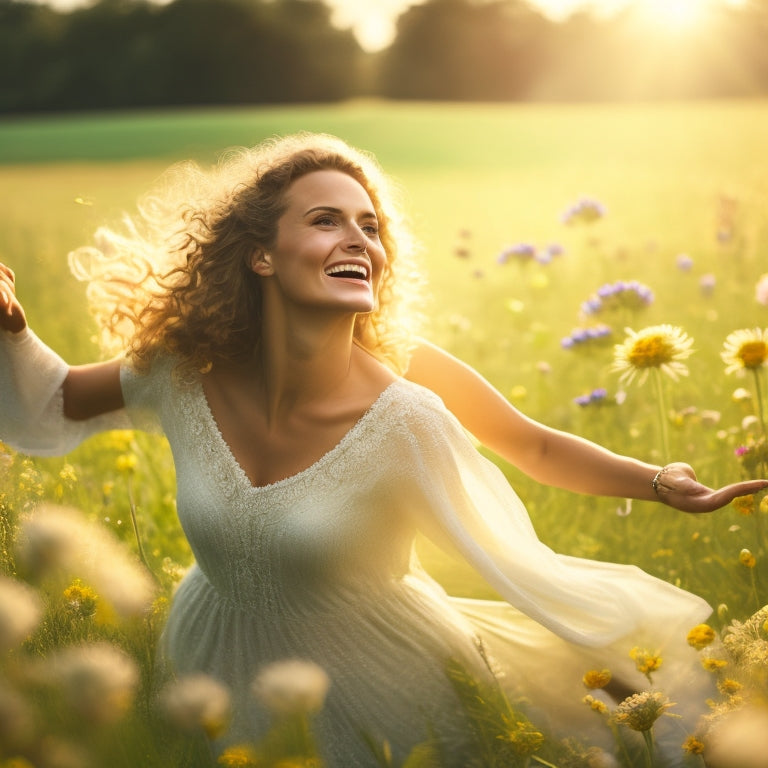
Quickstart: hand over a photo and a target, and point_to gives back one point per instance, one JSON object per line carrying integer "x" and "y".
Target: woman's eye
{"x": 370, "y": 229}
{"x": 325, "y": 221}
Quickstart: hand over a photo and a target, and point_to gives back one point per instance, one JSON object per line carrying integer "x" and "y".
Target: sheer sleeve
{"x": 32, "y": 416}
{"x": 465, "y": 503}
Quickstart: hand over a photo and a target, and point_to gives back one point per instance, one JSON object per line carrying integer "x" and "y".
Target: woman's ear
{"x": 261, "y": 263}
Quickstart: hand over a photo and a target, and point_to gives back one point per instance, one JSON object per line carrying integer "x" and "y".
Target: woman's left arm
{"x": 554, "y": 457}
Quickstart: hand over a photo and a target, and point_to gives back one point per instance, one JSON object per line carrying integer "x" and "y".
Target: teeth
{"x": 355, "y": 268}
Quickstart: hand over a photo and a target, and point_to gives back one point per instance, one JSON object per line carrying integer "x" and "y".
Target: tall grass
{"x": 675, "y": 179}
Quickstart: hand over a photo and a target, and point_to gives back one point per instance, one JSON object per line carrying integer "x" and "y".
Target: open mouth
{"x": 354, "y": 271}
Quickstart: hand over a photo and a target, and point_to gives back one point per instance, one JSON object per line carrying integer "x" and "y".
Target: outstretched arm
{"x": 554, "y": 457}
{"x": 47, "y": 407}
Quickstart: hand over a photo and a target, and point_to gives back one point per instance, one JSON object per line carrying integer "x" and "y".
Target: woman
{"x": 261, "y": 314}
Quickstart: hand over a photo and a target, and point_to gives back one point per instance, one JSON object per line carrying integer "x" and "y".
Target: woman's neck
{"x": 300, "y": 365}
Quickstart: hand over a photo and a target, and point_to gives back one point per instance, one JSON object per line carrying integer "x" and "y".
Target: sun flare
{"x": 673, "y": 13}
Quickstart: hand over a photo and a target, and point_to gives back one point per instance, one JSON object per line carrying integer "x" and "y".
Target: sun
{"x": 677, "y": 14}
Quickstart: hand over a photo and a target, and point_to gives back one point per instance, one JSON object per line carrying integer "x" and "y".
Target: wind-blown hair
{"x": 177, "y": 279}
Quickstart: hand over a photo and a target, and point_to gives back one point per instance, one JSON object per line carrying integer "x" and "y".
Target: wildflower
{"x": 585, "y": 211}
{"x": 693, "y": 746}
{"x": 126, "y": 463}
{"x": 548, "y": 253}
{"x": 53, "y": 540}
{"x": 81, "y": 599}
{"x": 746, "y": 558}
{"x": 588, "y": 338}
{"x": 520, "y": 252}
{"x": 98, "y": 681}
{"x": 707, "y": 284}
{"x": 744, "y": 505}
{"x": 741, "y": 395}
{"x": 713, "y": 665}
{"x": 523, "y": 736}
{"x": 729, "y": 686}
{"x": 745, "y": 349}
{"x": 645, "y": 661}
{"x": 595, "y": 397}
{"x": 197, "y": 701}
{"x": 701, "y": 636}
{"x": 240, "y": 756}
{"x": 761, "y": 290}
{"x": 641, "y": 710}
{"x": 596, "y": 678}
{"x": 660, "y": 346}
{"x": 684, "y": 262}
{"x": 291, "y": 687}
{"x": 518, "y": 392}
{"x": 595, "y": 704}
{"x": 621, "y": 295}
{"x": 20, "y": 612}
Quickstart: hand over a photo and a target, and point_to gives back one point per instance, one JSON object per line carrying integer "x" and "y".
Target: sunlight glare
{"x": 673, "y": 13}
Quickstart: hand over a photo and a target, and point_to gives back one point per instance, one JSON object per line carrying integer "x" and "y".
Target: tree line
{"x": 135, "y": 53}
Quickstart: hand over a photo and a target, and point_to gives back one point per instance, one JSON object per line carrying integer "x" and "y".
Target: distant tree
{"x": 465, "y": 49}
{"x": 129, "y": 53}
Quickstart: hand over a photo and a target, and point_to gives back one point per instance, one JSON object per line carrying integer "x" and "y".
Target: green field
{"x": 475, "y": 179}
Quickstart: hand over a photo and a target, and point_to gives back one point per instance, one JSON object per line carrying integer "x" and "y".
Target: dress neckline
{"x": 241, "y": 474}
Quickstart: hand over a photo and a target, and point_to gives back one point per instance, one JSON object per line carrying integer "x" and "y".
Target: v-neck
{"x": 216, "y": 434}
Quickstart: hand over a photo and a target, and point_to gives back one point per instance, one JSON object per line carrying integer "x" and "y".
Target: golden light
{"x": 674, "y": 14}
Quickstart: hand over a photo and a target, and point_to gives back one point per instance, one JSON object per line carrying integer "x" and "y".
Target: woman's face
{"x": 327, "y": 253}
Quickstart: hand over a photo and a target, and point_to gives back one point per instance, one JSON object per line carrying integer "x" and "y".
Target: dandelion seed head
{"x": 56, "y": 541}
{"x": 739, "y": 738}
{"x": 197, "y": 701}
{"x": 98, "y": 680}
{"x": 20, "y": 612}
{"x": 17, "y": 725}
{"x": 292, "y": 686}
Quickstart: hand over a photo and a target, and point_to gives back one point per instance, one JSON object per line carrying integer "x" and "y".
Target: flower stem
{"x": 135, "y": 524}
{"x": 759, "y": 398}
{"x": 663, "y": 415}
{"x": 648, "y": 736}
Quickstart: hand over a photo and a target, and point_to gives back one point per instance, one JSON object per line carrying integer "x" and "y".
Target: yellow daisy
{"x": 745, "y": 349}
{"x": 660, "y": 346}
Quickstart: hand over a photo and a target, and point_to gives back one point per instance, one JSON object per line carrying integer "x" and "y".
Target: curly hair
{"x": 177, "y": 279}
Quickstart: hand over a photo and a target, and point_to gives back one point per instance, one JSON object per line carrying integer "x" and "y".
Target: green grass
{"x": 477, "y": 178}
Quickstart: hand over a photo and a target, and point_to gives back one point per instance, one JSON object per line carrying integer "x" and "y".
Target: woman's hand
{"x": 677, "y": 486}
{"x": 12, "y": 317}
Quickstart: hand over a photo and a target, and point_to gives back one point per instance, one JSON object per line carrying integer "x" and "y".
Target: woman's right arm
{"x": 46, "y": 406}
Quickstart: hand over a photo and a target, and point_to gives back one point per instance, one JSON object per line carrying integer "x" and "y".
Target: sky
{"x": 373, "y": 21}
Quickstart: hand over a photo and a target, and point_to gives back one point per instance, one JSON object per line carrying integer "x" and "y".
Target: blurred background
{"x": 113, "y": 54}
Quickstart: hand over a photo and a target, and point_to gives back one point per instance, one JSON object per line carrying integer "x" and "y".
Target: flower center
{"x": 752, "y": 353}
{"x": 650, "y": 352}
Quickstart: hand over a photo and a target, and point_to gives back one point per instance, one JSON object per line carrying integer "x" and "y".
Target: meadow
{"x": 678, "y": 193}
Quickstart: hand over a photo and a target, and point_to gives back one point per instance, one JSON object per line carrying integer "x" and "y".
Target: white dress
{"x": 320, "y": 566}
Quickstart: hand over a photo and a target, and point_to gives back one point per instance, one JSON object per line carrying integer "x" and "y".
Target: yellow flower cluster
{"x": 645, "y": 661}
{"x": 81, "y": 599}
{"x": 524, "y": 738}
{"x": 701, "y": 636}
{"x": 595, "y": 704}
{"x": 240, "y": 756}
{"x": 596, "y": 678}
{"x": 693, "y": 746}
{"x": 747, "y": 559}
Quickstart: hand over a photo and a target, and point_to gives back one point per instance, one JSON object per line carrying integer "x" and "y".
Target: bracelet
{"x": 657, "y": 479}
